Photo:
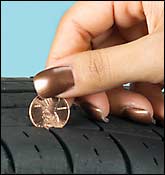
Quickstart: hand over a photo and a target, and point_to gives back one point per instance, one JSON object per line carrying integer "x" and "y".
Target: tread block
{"x": 143, "y": 153}
{"x": 17, "y": 86}
{"x": 16, "y": 100}
{"x": 91, "y": 151}
{"x": 34, "y": 150}
{"x": 124, "y": 126}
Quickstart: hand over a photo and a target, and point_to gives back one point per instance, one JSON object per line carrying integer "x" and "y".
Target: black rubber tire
{"x": 82, "y": 146}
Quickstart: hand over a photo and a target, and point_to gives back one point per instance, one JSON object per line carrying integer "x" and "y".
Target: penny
{"x": 49, "y": 112}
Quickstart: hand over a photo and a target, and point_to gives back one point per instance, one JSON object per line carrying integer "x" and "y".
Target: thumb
{"x": 99, "y": 70}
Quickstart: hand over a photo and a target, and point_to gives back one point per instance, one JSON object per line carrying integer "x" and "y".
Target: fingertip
{"x": 95, "y": 105}
{"x": 134, "y": 106}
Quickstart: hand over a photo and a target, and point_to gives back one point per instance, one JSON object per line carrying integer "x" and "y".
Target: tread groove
{"x": 85, "y": 136}
{"x": 155, "y": 161}
{"x": 37, "y": 149}
{"x": 9, "y": 156}
{"x": 124, "y": 154}
{"x": 157, "y": 133}
{"x": 146, "y": 146}
{"x": 100, "y": 127}
{"x": 25, "y": 134}
{"x": 127, "y": 133}
{"x": 96, "y": 152}
{"x": 66, "y": 150}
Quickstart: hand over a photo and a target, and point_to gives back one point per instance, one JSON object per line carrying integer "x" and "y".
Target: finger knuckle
{"x": 96, "y": 66}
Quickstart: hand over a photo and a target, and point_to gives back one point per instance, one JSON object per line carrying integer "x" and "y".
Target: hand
{"x": 98, "y": 47}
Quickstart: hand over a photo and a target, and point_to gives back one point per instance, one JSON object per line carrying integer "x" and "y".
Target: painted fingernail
{"x": 93, "y": 112}
{"x": 138, "y": 115}
{"x": 53, "y": 81}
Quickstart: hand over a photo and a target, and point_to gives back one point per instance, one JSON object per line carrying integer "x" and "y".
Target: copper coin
{"x": 49, "y": 112}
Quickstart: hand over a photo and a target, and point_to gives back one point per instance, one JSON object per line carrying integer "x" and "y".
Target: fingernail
{"x": 53, "y": 81}
{"x": 138, "y": 115}
{"x": 93, "y": 111}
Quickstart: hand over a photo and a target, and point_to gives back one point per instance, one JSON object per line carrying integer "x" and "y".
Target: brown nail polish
{"x": 93, "y": 111}
{"x": 53, "y": 81}
{"x": 138, "y": 115}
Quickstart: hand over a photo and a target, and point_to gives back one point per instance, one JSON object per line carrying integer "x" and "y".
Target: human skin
{"x": 107, "y": 44}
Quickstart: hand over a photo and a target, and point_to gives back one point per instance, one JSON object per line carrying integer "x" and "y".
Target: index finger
{"x": 78, "y": 26}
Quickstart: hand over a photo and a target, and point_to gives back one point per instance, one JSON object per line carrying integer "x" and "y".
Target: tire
{"x": 82, "y": 146}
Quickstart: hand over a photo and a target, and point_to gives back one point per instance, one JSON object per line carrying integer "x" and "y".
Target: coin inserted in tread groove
{"x": 49, "y": 112}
